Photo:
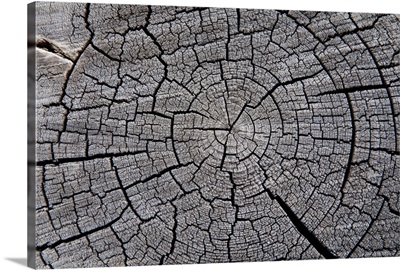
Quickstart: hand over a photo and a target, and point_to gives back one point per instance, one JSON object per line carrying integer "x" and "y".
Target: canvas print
{"x": 182, "y": 135}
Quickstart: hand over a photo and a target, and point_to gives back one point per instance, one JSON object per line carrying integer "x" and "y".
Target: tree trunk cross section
{"x": 178, "y": 135}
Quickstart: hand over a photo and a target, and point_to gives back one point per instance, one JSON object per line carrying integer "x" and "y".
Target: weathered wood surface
{"x": 193, "y": 135}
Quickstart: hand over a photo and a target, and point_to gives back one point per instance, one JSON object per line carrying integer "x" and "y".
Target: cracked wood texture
{"x": 176, "y": 135}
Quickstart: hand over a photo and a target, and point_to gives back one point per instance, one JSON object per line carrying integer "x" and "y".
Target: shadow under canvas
{"x": 20, "y": 261}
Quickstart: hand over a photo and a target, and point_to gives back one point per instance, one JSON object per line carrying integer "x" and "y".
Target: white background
{"x": 13, "y": 129}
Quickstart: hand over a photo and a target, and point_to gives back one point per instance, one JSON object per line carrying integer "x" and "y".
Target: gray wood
{"x": 170, "y": 135}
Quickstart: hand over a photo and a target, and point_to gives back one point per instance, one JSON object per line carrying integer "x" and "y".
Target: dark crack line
{"x": 386, "y": 198}
{"x": 51, "y": 47}
{"x": 157, "y": 175}
{"x": 128, "y": 201}
{"x": 283, "y": 84}
{"x": 321, "y": 248}
{"x": 173, "y": 141}
{"x": 71, "y": 70}
{"x": 352, "y": 146}
{"x": 390, "y": 152}
{"x": 159, "y": 57}
{"x": 352, "y": 89}
{"x": 45, "y": 263}
{"x": 234, "y": 205}
{"x": 81, "y": 159}
{"x": 174, "y": 236}
{"x": 366, "y": 232}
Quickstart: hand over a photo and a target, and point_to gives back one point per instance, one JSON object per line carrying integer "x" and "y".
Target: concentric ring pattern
{"x": 195, "y": 135}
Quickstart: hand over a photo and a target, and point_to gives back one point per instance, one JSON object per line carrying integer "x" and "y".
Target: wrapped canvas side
{"x": 31, "y": 184}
